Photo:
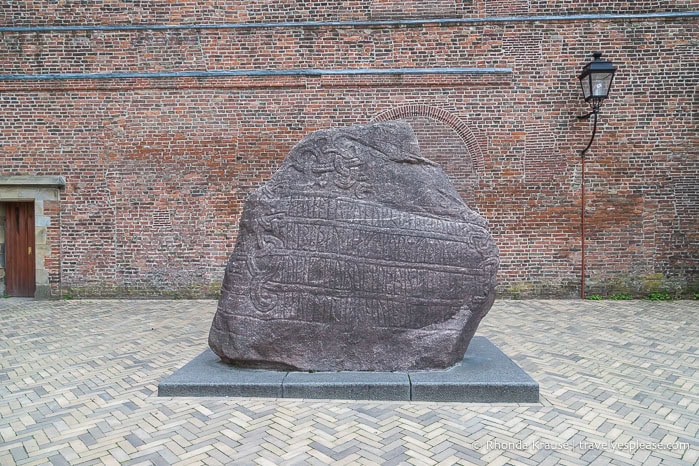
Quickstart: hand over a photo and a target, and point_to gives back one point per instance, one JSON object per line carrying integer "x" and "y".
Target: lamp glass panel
{"x": 585, "y": 83}
{"x": 601, "y": 83}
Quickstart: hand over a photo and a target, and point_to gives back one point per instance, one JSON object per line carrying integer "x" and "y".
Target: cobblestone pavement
{"x": 78, "y": 385}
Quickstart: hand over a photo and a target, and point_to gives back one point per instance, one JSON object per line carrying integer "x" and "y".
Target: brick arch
{"x": 447, "y": 140}
{"x": 449, "y": 119}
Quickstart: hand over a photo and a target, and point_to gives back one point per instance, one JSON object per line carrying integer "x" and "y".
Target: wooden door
{"x": 20, "y": 261}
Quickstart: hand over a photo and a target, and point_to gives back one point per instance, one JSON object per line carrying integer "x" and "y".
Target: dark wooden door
{"x": 20, "y": 261}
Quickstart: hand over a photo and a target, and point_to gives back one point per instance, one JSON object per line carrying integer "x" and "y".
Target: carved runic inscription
{"x": 323, "y": 259}
{"x": 357, "y": 254}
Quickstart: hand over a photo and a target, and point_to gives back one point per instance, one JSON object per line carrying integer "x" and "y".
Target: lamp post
{"x": 596, "y": 81}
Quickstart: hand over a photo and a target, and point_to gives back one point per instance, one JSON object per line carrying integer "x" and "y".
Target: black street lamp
{"x": 596, "y": 81}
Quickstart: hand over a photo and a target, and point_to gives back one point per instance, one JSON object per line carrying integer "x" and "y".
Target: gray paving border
{"x": 485, "y": 375}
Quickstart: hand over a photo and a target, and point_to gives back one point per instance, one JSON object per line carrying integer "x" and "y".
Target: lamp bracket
{"x": 595, "y": 112}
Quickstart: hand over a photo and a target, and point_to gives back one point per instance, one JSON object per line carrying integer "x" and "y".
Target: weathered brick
{"x": 158, "y": 169}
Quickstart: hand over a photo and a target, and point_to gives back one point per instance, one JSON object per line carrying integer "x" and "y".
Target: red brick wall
{"x": 108, "y": 12}
{"x": 157, "y": 169}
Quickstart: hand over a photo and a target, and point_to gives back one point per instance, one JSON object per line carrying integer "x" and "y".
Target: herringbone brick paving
{"x": 78, "y": 382}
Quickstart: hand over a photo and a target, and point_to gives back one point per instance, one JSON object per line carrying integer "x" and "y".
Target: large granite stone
{"x": 358, "y": 254}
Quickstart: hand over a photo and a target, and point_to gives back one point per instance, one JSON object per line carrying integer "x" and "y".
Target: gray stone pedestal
{"x": 485, "y": 375}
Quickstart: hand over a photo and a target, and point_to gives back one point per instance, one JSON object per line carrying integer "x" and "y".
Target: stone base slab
{"x": 485, "y": 375}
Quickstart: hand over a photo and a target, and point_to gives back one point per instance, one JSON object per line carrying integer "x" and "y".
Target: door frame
{"x": 44, "y": 191}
